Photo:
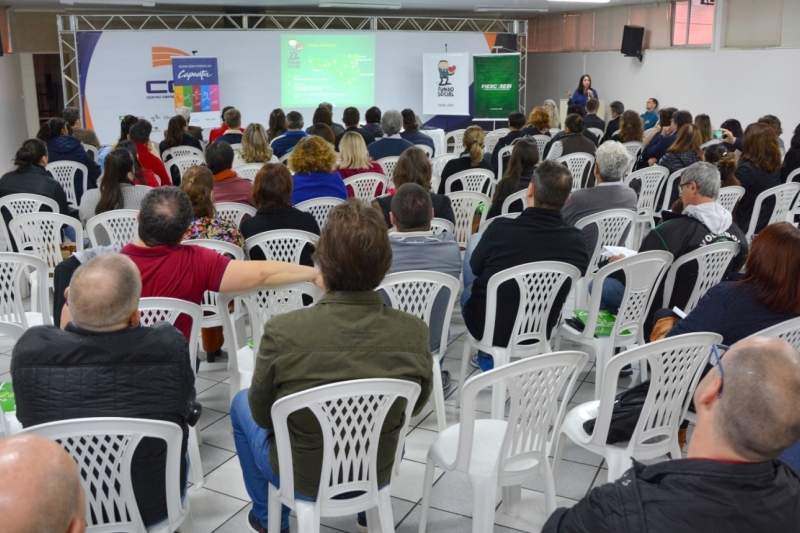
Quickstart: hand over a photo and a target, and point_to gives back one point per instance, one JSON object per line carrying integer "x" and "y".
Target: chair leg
{"x": 549, "y": 486}
{"x": 603, "y": 353}
{"x": 438, "y": 397}
{"x": 386, "y": 518}
{"x": 35, "y": 296}
{"x": 501, "y": 358}
{"x": 484, "y": 491}
{"x": 618, "y": 463}
{"x": 194, "y": 459}
{"x": 427, "y": 488}
{"x": 463, "y": 377}
{"x": 307, "y": 517}
{"x": 187, "y": 526}
{"x": 512, "y": 497}
{"x": 558, "y": 451}
{"x": 273, "y": 510}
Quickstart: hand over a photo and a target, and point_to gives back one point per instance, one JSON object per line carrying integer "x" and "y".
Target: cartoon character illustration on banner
{"x": 445, "y": 71}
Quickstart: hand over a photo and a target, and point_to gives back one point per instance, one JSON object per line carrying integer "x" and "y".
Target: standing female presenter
{"x": 583, "y": 93}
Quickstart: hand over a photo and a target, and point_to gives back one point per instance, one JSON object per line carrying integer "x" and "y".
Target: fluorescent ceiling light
{"x": 107, "y": 3}
{"x": 353, "y": 5}
{"x": 511, "y": 9}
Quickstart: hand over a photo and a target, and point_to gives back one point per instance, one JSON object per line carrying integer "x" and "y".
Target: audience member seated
{"x": 663, "y": 126}
{"x": 351, "y": 117}
{"x": 516, "y": 121}
{"x": 323, "y": 131}
{"x": 650, "y": 116}
{"x": 703, "y": 123}
{"x": 125, "y": 127}
{"x": 538, "y": 122}
{"x": 30, "y": 177}
{"x": 322, "y": 115}
{"x": 471, "y": 158}
{"x": 355, "y": 159}
{"x": 616, "y": 108}
{"x": 373, "y": 125}
{"x": 117, "y": 189}
{"x": 177, "y": 134}
{"x": 518, "y": 175}
{"x": 730, "y": 479}
{"x": 591, "y": 120}
{"x": 255, "y": 145}
{"x": 142, "y": 176}
{"x": 683, "y": 153}
{"x": 552, "y": 112}
{"x": 337, "y": 128}
{"x": 611, "y": 162}
{"x": 737, "y": 133}
{"x": 272, "y": 194}
{"x": 759, "y": 169}
{"x": 105, "y": 364}
{"x": 285, "y": 143}
{"x": 218, "y": 132}
{"x": 768, "y": 294}
{"x": 725, "y": 161}
{"x": 631, "y": 128}
{"x": 391, "y": 144}
{"x": 572, "y": 140}
{"x": 775, "y": 123}
{"x": 277, "y": 124}
{"x": 72, "y": 116}
{"x": 660, "y": 143}
{"x": 229, "y": 187}
{"x": 41, "y": 487}
{"x": 61, "y": 146}
{"x": 140, "y": 134}
{"x": 314, "y": 346}
{"x": 578, "y": 110}
{"x": 791, "y": 160}
{"x": 411, "y": 131}
{"x": 233, "y": 121}
{"x": 415, "y": 167}
{"x": 313, "y": 162}
{"x": 538, "y": 234}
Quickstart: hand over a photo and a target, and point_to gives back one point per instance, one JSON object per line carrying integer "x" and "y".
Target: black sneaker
{"x": 446, "y": 380}
{"x": 626, "y": 371}
{"x": 254, "y": 525}
{"x": 361, "y": 521}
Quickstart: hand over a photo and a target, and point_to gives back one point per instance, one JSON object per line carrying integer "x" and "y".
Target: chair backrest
{"x": 284, "y": 158}
{"x": 577, "y": 164}
{"x": 234, "y": 212}
{"x": 534, "y": 385}
{"x": 64, "y": 172}
{"x": 634, "y": 148}
{"x": 184, "y": 163}
{"x": 553, "y": 131}
{"x": 539, "y": 284}
{"x": 784, "y": 199}
{"x": 541, "y": 143}
{"x": 366, "y": 185}
{"x": 652, "y": 179}
{"x": 648, "y": 131}
{"x": 485, "y": 224}
{"x": 436, "y": 179}
{"x": 248, "y": 170}
{"x": 505, "y": 151}
{"x": 103, "y": 448}
{"x": 675, "y": 364}
{"x": 13, "y": 270}
{"x": 519, "y": 196}
{"x": 597, "y": 132}
{"x": 388, "y": 164}
{"x": 464, "y": 204}
{"x": 22, "y": 204}
{"x": 556, "y": 149}
{"x": 319, "y": 208}
{"x": 712, "y": 262}
{"x": 425, "y": 148}
{"x": 351, "y": 416}
{"x": 712, "y": 142}
{"x": 180, "y": 151}
{"x": 612, "y": 227}
{"x": 473, "y": 180}
{"x": 91, "y": 150}
{"x": 441, "y": 225}
{"x": 792, "y": 175}
{"x": 281, "y": 245}
{"x": 157, "y": 309}
{"x": 39, "y": 234}
{"x": 788, "y": 331}
{"x": 729, "y": 196}
{"x": 438, "y": 163}
{"x": 672, "y": 182}
{"x": 491, "y": 139}
{"x": 209, "y": 303}
{"x": 236, "y": 147}
{"x": 453, "y": 140}
{"x": 121, "y": 226}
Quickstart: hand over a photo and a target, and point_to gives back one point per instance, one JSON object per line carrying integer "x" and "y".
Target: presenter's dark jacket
{"x": 454, "y": 166}
{"x": 368, "y": 137}
{"x": 418, "y": 137}
{"x": 134, "y": 372}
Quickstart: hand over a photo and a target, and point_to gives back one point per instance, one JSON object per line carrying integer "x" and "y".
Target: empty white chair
{"x": 388, "y": 164}
{"x": 712, "y": 263}
{"x": 597, "y": 132}
{"x": 234, "y": 212}
{"x": 248, "y": 170}
{"x": 65, "y": 172}
{"x": 351, "y": 416}
{"x": 453, "y": 141}
{"x": 492, "y": 453}
{"x": 473, "y": 180}
{"x": 425, "y": 148}
{"x": 485, "y": 223}
{"x": 788, "y": 331}
{"x": 184, "y": 163}
{"x": 319, "y": 208}
{"x": 502, "y": 153}
{"x": 675, "y": 364}
{"x": 652, "y": 179}
{"x": 643, "y": 273}
{"x": 577, "y": 164}
{"x": 367, "y": 185}
{"x": 538, "y": 284}
{"x": 519, "y": 196}
{"x": 464, "y": 204}
{"x": 180, "y": 151}
{"x": 103, "y": 449}
{"x": 14, "y": 268}
{"x": 414, "y": 292}
{"x": 729, "y": 196}
{"x": 438, "y": 163}
{"x": 634, "y": 148}
{"x": 22, "y": 204}
{"x": 672, "y": 183}
{"x": 541, "y": 142}
{"x": 120, "y": 226}
{"x": 91, "y": 150}
{"x": 282, "y": 244}
{"x": 784, "y": 199}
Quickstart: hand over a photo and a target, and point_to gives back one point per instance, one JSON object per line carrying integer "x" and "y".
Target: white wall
{"x": 741, "y": 84}
{"x": 12, "y": 111}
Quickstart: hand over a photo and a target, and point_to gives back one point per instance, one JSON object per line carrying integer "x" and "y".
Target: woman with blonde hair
{"x": 313, "y": 162}
{"x": 355, "y": 158}
{"x": 255, "y": 146}
{"x": 471, "y": 157}
{"x": 538, "y": 122}
{"x": 631, "y": 128}
{"x": 552, "y": 110}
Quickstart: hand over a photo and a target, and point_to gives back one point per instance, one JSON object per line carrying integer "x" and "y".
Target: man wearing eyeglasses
{"x": 730, "y": 480}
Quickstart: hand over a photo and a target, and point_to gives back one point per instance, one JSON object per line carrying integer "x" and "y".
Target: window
{"x": 693, "y": 23}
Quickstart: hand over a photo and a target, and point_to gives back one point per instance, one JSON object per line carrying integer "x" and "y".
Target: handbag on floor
{"x": 628, "y": 406}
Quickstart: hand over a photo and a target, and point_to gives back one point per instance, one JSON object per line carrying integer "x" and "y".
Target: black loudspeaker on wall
{"x": 1, "y": 44}
{"x": 508, "y": 41}
{"x": 632, "y": 38}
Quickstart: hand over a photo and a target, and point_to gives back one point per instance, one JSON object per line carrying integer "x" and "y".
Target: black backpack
{"x": 628, "y": 406}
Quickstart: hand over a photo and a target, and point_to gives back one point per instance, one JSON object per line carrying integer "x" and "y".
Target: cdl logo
{"x": 160, "y": 87}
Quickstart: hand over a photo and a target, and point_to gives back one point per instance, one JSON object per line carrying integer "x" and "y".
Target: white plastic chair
{"x": 729, "y": 196}
{"x": 672, "y": 182}
{"x": 784, "y": 199}
{"x": 438, "y": 163}
{"x": 473, "y": 180}
{"x": 491, "y": 139}
{"x": 788, "y": 330}
{"x": 91, "y": 150}
{"x": 712, "y": 263}
{"x": 485, "y": 224}
{"x": 464, "y": 204}
{"x": 634, "y": 148}
{"x": 236, "y": 147}
{"x": 248, "y": 170}
{"x": 792, "y": 175}
{"x": 120, "y": 226}
{"x": 234, "y": 212}
{"x": 441, "y": 225}
{"x": 454, "y": 140}
{"x": 652, "y": 178}
{"x": 577, "y": 164}
{"x": 414, "y": 292}
{"x": 612, "y": 227}
{"x": 501, "y": 154}
{"x": 103, "y": 449}
{"x": 284, "y": 158}
{"x": 648, "y": 131}
{"x": 22, "y": 204}
{"x": 180, "y": 151}
{"x": 425, "y": 148}
{"x": 519, "y": 196}
{"x": 712, "y": 142}
{"x": 554, "y": 131}
{"x": 319, "y": 208}
{"x": 281, "y": 245}
{"x": 556, "y": 149}
{"x": 643, "y": 273}
{"x": 14, "y": 267}
{"x": 541, "y": 143}
{"x": 184, "y": 163}
{"x": 538, "y": 284}
{"x": 436, "y": 179}
{"x": 675, "y": 364}
{"x": 492, "y": 453}
{"x": 65, "y": 172}
{"x": 597, "y": 132}
{"x": 365, "y": 185}
{"x": 388, "y": 164}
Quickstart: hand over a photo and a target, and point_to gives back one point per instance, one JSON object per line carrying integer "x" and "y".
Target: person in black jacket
{"x": 516, "y": 121}
{"x": 470, "y": 158}
{"x": 518, "y": 175}
{"x": 617, "y": 108}
{"x": 791, "y": 161}
{"x": 104, "y": 364}
{"x": 730, "y": 480}
{"x": 62, "y": 146}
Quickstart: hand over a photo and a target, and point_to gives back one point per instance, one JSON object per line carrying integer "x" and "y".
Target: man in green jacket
{"x": 350, "y": 334}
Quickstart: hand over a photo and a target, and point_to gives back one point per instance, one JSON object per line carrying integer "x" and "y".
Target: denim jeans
{"x": 611, "y": 299}
{"x": 469, "y": 279}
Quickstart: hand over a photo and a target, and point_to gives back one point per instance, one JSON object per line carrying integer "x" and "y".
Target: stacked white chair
{"x": 14, "y": 269}
{"x": 784, "y": 195}
{"x": 730, "y": 196}
{"x": 474, "y": 180}
{"x": 652, "y": 179}
{"x": 65, "y": 173}
{"x": 577, "y": 164}
{"x": 120, "y": 226}
{"x": 454, "y": 140}
{"x": 281, "y": 245}
{"x": 712, "y": 263}
{"x": 22, "y": 204}
{"x": 388, "y": 164}
{"x": 248, "y": 170}
{"x": 319, "y": 208}
{"x": 367, "y": 185}
{"x": 234, "y": 212}
{"x": 464, "y": 204}
{"x": 184, "y": 163}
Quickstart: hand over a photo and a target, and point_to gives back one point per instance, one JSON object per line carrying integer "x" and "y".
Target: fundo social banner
{"x": 496, "y": 85}
{"x": 445, "y": 84}
{"x": 196, "y": 86}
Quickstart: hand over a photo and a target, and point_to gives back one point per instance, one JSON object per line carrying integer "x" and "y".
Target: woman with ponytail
{"x": 118, "y": 188}
{"x": 725, "y": 161}
{"x": 62, "y": 146}
{"x": 471, "y": 157}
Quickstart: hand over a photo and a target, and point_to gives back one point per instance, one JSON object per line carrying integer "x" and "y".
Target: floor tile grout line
{"x": 228, "y": 495}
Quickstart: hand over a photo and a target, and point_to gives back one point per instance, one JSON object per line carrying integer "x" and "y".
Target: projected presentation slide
{"x": 339, "y": 69}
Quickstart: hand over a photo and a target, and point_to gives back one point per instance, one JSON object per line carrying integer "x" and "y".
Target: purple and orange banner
{"x": 196, "y": 83}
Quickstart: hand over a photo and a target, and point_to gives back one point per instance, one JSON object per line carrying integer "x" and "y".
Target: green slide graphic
{"x": 496, "y": 85}
{"x": 339, "y": 69}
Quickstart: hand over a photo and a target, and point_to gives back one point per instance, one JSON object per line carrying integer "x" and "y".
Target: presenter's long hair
{"x": 473, "y": 142}
{"x": 524, "y": 155}
{"x": 255, "y": 146}
{"x": 174, "y": 135}
{"x": 580, "y": 84}
{"x": 354, "y": 152}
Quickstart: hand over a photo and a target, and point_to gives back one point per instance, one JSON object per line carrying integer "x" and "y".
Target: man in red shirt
{"x": 218, "y": 132}
{"x": 140, "y": 134}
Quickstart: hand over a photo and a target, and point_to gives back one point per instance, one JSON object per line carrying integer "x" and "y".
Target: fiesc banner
{"x": 445, "y": 84}
{"x": 496, "y": 85}
{"x": 196, "y": 85}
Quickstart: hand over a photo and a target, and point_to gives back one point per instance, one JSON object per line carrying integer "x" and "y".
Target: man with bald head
{"x": 747, "y": 414}
{"x": 41, "y": 491}
{"x": 105, "y": 364}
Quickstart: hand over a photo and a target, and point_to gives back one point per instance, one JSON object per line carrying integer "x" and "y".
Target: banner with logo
{"x": 445, "y": 84}
{"x": 496, "y": 85}
{"x": 196, "y": 86}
